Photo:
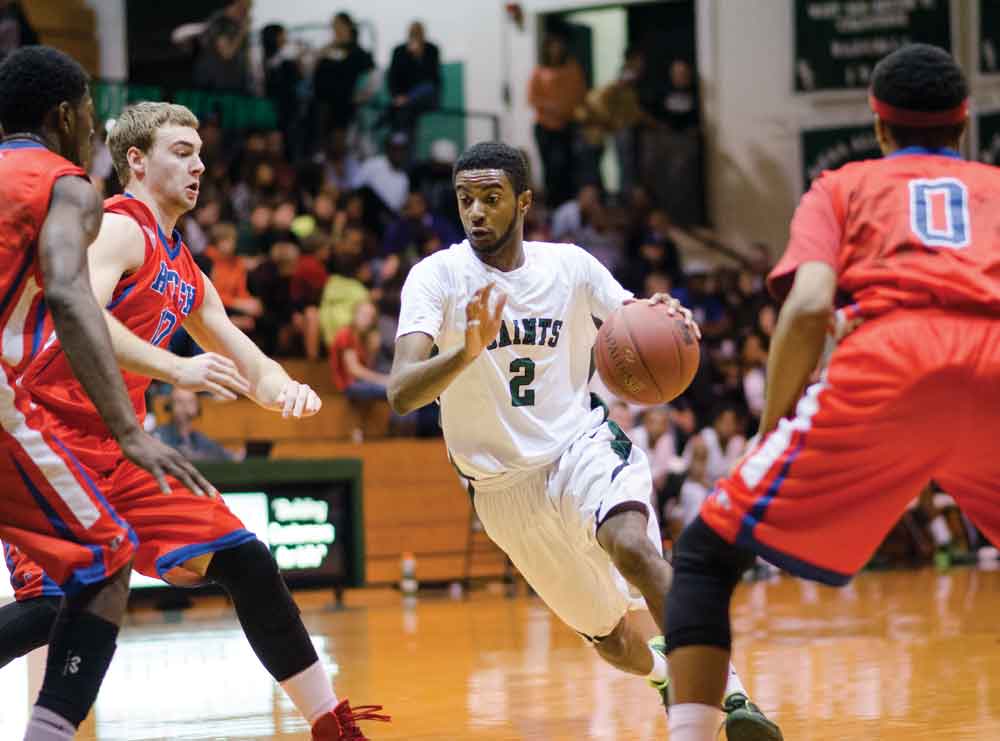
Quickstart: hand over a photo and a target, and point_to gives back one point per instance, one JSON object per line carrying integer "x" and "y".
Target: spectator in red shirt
{"x": 229, "y": 275}
{"x": 351, "y": 354}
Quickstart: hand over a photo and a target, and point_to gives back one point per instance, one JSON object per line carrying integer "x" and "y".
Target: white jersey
{"x": 524, "y": 400}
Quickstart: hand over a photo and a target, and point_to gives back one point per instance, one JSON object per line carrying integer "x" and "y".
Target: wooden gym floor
{"x": 897, "y": 655}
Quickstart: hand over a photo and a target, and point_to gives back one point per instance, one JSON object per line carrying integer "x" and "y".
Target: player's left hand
{"x": 674, "y": 308}
{"x": 298, "y": 400}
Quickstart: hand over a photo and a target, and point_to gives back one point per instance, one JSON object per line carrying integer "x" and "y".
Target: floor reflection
{"x": 908, "y": 655}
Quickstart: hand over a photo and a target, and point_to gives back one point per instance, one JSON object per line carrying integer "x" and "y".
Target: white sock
{"x": 312, "y": 692}
{"x": 692, "y": 722}
{"x": 733, "y": 683}
{"x": 659, "y": 673}
{"x": 45, "y": 725}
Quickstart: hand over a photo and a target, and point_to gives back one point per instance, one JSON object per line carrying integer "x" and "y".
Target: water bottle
{"x": 408, "y": 575}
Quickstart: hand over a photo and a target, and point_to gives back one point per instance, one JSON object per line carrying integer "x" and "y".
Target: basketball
{"x": 646, "y": 356}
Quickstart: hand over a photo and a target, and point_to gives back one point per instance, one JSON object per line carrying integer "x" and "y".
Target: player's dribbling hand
{"x": 482, "y": 322}
{"x": 213, "y": 373}
{"x": 674, "y": 308}
{"x": 147, "y": 452}
{"x": 298, "y": 400}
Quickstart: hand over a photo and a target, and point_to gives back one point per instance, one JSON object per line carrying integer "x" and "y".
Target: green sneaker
{"x": 659, "y": 644}
{"x": 745, "y": 721}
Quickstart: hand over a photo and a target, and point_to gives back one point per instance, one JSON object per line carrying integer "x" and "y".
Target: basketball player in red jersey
{"x": 909, "y": 244}
{"x": 49, "y": 504}
{"x": 150, "y": 282}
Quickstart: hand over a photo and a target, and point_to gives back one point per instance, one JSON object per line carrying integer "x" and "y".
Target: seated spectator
{"x": 754, "y": 358}
{"x": 656, "y": 253}
{"x": 705, "y": 302}
{"x": 433, "y": 178}
{"x": 655, "y": 435}
{"x": 599, "y": 238}
{"x": 198, "y": 226}
{"x": 346, "y": 286}
{"x": 722, "y": 444}
{"x": 414, "y": 224}
{"x": 697, "y": 486}
{"x": 385, "y": 174}
{"x": 340, "y": 166}
{"x": 229, "y": 275}
{"x": 621, "y": 415}
{"x": 308, "y": 282}
{"x": 570, "y": 217}
{"x": 352, "y": 356}
{"x": 281, "y": 328}
{"x": 256, "y": 235}
{"x": 179, "y": 433}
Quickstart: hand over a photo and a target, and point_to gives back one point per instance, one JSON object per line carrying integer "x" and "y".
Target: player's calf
{"x": 623, "y": 535}
{"x": 83, "y": 643}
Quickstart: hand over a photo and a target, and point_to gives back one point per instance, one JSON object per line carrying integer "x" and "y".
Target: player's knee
{"x": 706, "y": 571}
{"x": 613, "y": 647}
{"x": 243, "y": 564}
{"x": 107, "y": 600}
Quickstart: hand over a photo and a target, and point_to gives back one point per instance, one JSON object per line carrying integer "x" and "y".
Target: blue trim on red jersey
{"x": 175, "y": 558}
{"x": 938, "y": 152}
{"x": 121, "y": 297}
{"x": 793, "y": 565}
{"x": 50, "y": 514}
{"x": 29, "y": 258}
{"x": 97, "y": 492}
{"x": 172, "y": 251}
{"x": 82, "y": 577}
{"x": 16, "y": 143}
{"x": 36, "y": 340}
{"x": 49, "y": 587}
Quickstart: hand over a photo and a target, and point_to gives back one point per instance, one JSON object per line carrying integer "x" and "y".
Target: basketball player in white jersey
{"x": 556, "y": 485}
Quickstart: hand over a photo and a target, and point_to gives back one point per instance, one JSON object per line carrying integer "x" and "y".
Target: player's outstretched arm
{"x": 798, "y": 340}
{"x": 268, "y": 383}
{"x": 417, "y": 379}
{"x": 120, "y": 248}
{"x": 73, "y": 220}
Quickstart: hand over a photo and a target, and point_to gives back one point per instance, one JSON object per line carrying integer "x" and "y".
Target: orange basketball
{"x": 646, "y": 356}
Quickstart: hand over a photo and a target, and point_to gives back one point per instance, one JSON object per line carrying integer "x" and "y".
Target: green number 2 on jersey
{"x": 523, "y": 370}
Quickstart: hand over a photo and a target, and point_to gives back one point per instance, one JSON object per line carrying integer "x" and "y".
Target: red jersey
{"x": 28, "y": 172}
{"x": 918, "y": 228}
{"x": 152, "y": 302}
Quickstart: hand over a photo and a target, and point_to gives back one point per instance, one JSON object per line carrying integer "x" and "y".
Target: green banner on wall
{"x": 830, "y": 148}
{"x": 235, "y": 111}
{"x": 838, "y": 42}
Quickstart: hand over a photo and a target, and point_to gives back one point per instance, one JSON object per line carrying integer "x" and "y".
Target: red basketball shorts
{"x": 908, "y": 397}
{"x": 52, "y": 506}
{"x": 169, "y": 528}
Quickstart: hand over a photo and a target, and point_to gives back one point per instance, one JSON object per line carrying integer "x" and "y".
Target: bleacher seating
{"x": 413, "y": 499}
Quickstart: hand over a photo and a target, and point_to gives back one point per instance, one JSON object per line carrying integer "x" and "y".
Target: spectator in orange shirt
{"x": 556, "y": 88}
{"x": 229, "y": 275}
{"x": 351, "y": 354}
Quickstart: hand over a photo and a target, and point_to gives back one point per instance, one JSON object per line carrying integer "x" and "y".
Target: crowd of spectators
{"x": 309, "y": 241}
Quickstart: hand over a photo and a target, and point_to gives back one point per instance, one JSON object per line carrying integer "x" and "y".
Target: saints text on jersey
{"x": 529, "y": 331}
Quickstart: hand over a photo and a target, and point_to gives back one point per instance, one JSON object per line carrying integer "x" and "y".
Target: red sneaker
{"x": 340, "y": 724}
